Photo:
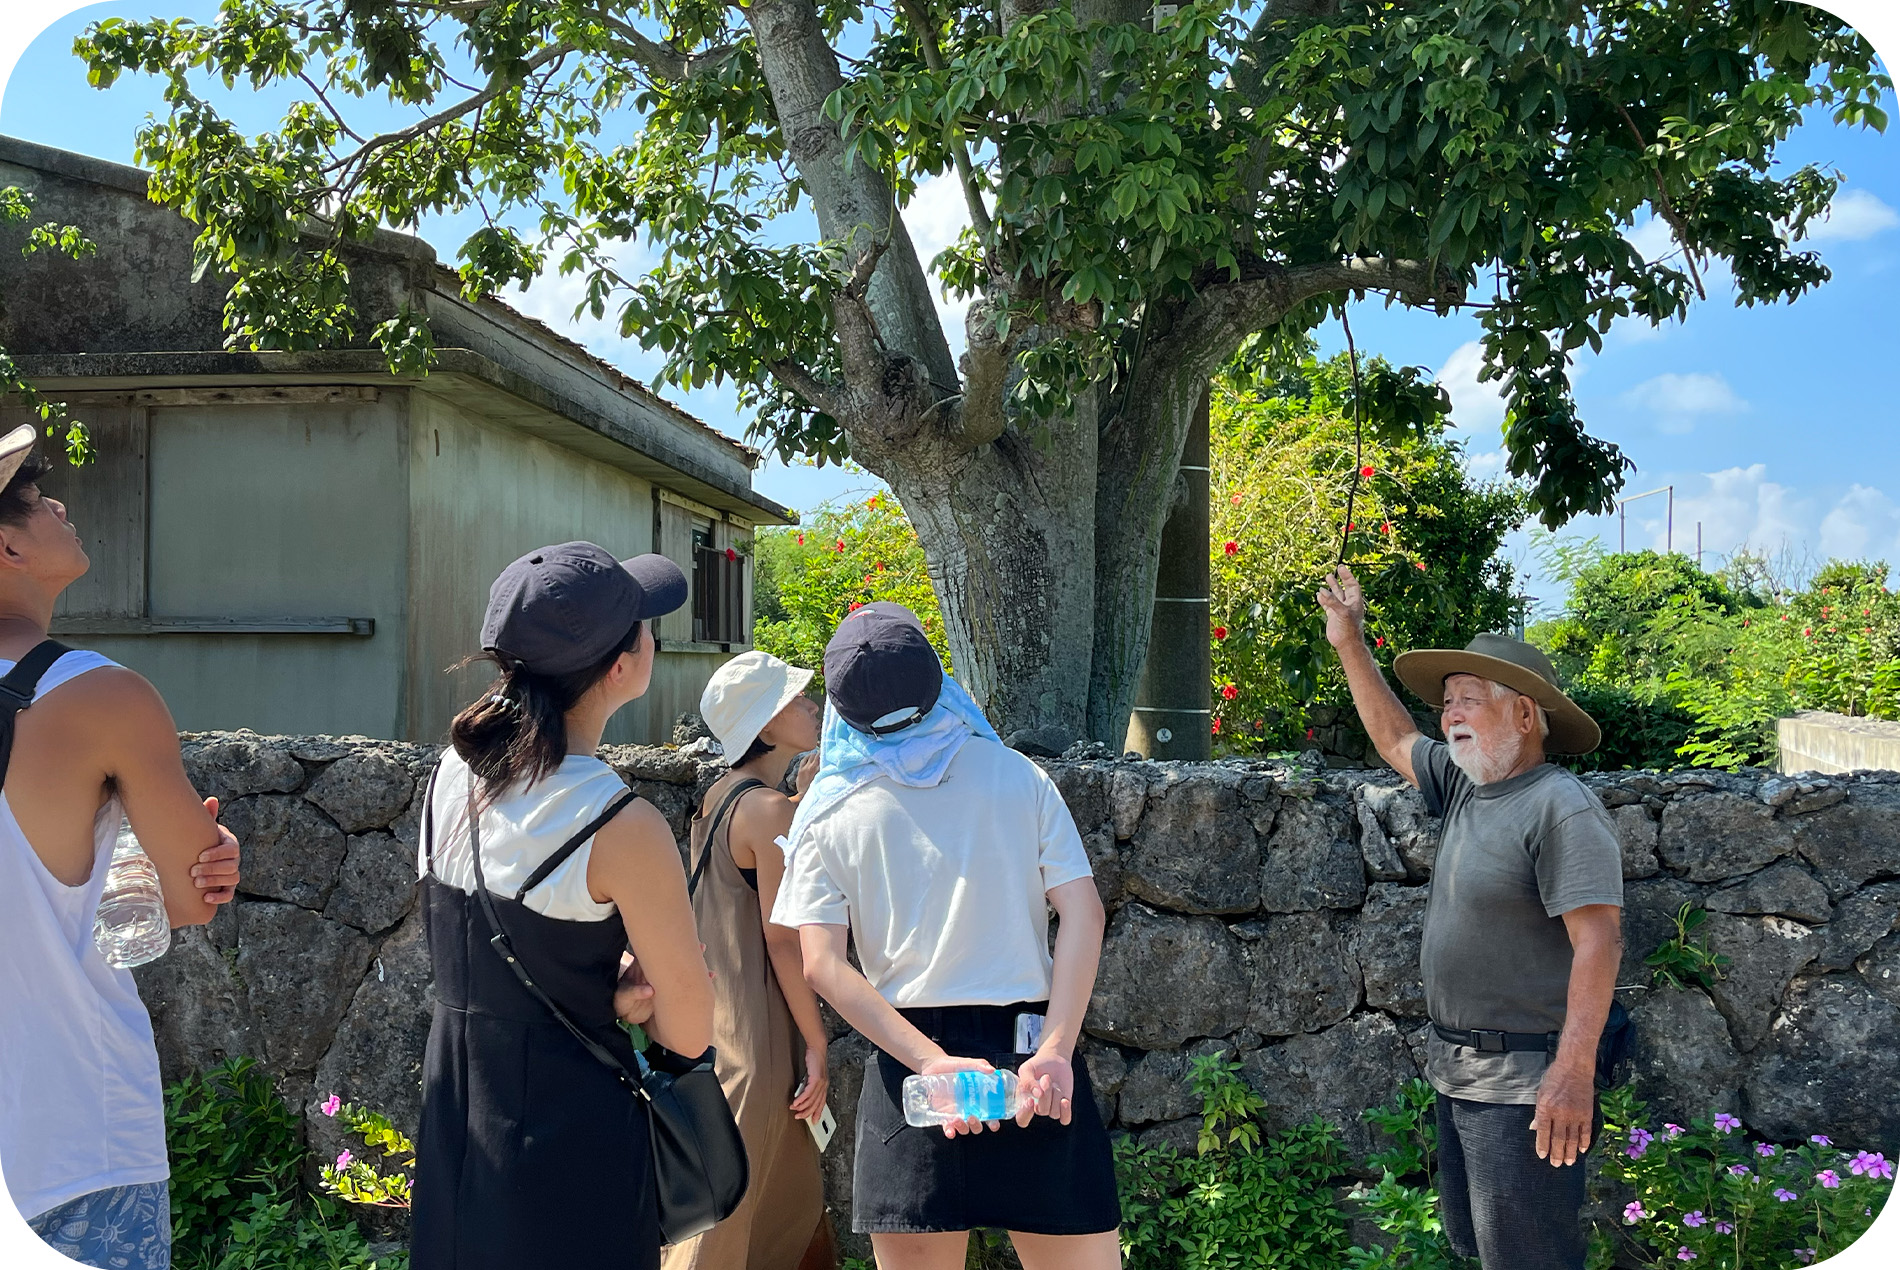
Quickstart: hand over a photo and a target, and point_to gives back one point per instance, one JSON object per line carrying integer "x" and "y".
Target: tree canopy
{"x": 1147, "y": 189}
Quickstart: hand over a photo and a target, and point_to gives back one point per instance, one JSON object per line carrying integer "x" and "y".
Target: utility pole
{"x": 1173, "y": 716}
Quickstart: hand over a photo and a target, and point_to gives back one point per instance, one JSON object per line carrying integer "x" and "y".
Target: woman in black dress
{"x": 531, "y": 1152}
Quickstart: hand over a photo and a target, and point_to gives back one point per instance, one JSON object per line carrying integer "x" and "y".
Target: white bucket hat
{"x": 744, "y": 695}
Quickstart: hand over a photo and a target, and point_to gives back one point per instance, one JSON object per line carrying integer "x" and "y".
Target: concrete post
{"x": 1172, "y": 717}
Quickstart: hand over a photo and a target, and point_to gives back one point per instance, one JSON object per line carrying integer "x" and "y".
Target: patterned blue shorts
{"x": 120, "y": 1228}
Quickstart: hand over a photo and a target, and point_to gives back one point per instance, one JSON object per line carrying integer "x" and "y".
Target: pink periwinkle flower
{"x": 1783, "y": 1194}
{"x": 1828, "y": 1178}
{"x": 1804, "y": 1255}
{"x": 1765, "y": 1150}
{"x": 343, "y": 1160}
{"x": 1683, "y": 1253}
{"x": 1871, "y": 1164}
{"x": 1641, "y": 1137}
{"x": 1673, "y": 1130}
{"x": 1725, "y": 1123}
{"x": 1821, "y": 1140}
{"x": 1695, "y": 1219}
{"x": 1724, "y": 1228}
{"x": 1634, "y": 1212}
{"x": 1738, "y": 1170}
{"x": 330, "y": 1105}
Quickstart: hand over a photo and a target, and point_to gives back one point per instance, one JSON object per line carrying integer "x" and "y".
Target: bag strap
{"x": 573, "y": 844}
{"x": 17, "y": 690}
{"x": 505, "y": 949}
{"x": 738, "y": 791}
{"x": 428, "y": 819}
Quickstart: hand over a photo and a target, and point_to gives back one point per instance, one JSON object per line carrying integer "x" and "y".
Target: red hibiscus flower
{"x": 1220, "y": 632}
{"x": 801, "y": 540}
{"x": 731, "y": 555}
{"x": 1420, "y": 564}
{"x": 1217, "y": 727}
{"x": 840, "y": 546}
{"x": 1231, "y": 547}
{"x": 855, "y": 606}
{"x": 1229, "y": 691}
{"x": 879, "y": 566}
{"x": 1366, "y": 471}
{"x": 1235, "y": 500}
{"x": 1378, "y": 641}
{"x": 1385, "y": 527}
{"x": 1309, "y": 734}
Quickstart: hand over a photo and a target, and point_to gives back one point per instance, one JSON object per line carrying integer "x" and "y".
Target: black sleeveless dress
{"x": 530, "y": 1153}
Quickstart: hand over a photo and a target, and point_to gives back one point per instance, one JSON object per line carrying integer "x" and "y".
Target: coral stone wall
{"x": 1268, "y": 911}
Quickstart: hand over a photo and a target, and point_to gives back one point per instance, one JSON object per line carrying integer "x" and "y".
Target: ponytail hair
{"x": 515, "y": 733}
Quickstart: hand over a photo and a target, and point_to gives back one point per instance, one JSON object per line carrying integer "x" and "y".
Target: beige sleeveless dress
{"x": 761, "y": 1062}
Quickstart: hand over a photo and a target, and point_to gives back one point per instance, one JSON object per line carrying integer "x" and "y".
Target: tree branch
{"x": 660, "y": 60}
{"x": 815, "y": 392}
{"x": 959, "y": 153}
{"x": 496, "y": 87}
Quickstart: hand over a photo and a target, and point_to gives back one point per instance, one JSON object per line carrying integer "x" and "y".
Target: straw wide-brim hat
{"x": 14, "y": 448}
{"x": 744, "y": 695}
{"x": 1512, "y": 663}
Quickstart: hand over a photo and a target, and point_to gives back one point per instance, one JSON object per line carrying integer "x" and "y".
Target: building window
{"x": 718, "y": 589}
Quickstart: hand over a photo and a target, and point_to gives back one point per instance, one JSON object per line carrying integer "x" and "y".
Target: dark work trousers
{"x": 1499, "y": 1202}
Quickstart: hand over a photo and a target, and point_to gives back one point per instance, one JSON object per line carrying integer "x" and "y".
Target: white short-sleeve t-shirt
{"x": 943, "y": 887}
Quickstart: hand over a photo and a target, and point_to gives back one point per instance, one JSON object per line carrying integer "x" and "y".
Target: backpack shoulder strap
{"x": 739, "y": 791}
{"x": 17, "y": 690}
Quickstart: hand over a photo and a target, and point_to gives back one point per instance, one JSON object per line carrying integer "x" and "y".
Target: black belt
{"x": 1493, "y": 1042}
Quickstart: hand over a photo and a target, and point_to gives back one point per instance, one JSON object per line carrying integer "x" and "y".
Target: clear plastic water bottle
{"x": 131, "y": 927}
{"x": 945, "y": 1096}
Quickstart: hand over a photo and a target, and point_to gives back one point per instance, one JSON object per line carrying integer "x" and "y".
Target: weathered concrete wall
{"x": 1254, "y": 909}
{"x": 481, "y": 495}
{"x": 1821, "y": 741}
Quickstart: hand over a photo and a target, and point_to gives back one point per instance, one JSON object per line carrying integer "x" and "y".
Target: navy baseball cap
{"x": 881, "y": 674}
{"x": 561, "y": 609}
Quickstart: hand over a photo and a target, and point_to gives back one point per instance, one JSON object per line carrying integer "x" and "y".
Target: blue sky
{"x": 1777, "y": 426}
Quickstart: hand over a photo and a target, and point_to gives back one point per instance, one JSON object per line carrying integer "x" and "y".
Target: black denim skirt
{"x": 1046, "y": 1179}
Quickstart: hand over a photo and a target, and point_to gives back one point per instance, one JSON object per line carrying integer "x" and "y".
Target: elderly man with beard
{"x": 1523, "y": 930}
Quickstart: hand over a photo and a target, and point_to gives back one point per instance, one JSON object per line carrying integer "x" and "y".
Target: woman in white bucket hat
{"x": 770, "y": 1041}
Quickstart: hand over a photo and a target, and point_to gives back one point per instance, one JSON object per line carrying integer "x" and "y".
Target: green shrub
{"x": 844, "y": 555}
{"x": 236, "y": 1150}
{"x": 1423, "y": 540}
{"x": 1243, "y": 1200}
{"x": 1705, "y": 1194}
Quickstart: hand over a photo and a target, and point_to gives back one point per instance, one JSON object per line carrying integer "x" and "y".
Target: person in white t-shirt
{"x": 940, "y": 852}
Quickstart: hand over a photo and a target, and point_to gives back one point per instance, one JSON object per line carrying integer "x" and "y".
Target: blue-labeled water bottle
{"x": 946, "y": 1096}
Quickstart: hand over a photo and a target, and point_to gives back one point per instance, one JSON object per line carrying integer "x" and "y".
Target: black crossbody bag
{"x": 700, "y": 1171}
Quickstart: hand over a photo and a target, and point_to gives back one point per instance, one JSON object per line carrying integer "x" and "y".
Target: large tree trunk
{"x": 1009, "y": 533}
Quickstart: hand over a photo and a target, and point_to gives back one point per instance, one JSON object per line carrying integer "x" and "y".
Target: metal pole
{"x": 1622, "y": 528}
{"x": 1669, "y": 525}
{"x": 1698, "y": 544}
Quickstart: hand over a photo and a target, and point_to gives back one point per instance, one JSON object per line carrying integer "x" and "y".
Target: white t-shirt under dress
{"x": 943, "y": 886}
{"x": 81, "y": 1108}
{"x": 520, "y": 830}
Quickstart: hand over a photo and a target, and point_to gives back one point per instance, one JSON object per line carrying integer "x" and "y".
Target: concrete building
{"x": 303, "y": 542}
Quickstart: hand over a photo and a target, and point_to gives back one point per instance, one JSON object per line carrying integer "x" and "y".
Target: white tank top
{"x": 80, "y": 1103}
{"x": 520, "y": 830}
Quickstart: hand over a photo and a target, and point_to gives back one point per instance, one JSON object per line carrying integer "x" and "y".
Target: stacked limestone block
{"x": 1268, "y": 911}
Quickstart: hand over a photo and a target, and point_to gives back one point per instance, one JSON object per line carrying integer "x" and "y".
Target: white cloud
{"x": 552, "y": 299}
{"x": 1653, "y": 239}
{"x": 1475, "y": 407}
{"x": 1679, "y": 400}
{"x": 1740, "y": 507}
{"x": 1854, "y": 216}
{"x": 1865, "y": 522}
{"x": 935, "y": 216}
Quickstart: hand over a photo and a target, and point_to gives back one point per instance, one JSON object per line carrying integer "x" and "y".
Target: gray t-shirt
{"x": 1514, "y": 857}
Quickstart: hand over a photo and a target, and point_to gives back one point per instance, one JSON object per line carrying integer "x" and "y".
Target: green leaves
{"x": 16, "y": 208}
{"x": 1126, "y": 172}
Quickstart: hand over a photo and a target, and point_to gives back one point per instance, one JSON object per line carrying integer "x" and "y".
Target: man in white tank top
{"x": 82, "y": 1129}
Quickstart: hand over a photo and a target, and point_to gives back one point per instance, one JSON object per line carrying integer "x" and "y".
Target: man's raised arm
{"x": 1381, "y": 713}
